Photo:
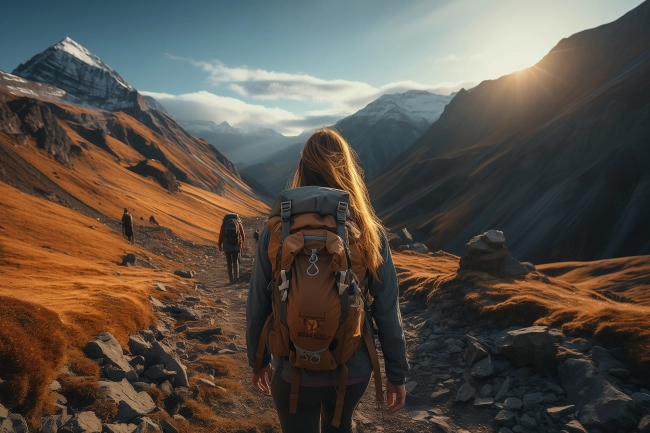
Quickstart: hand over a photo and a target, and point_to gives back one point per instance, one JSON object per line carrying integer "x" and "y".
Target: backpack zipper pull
{"x": 313, "y": 259}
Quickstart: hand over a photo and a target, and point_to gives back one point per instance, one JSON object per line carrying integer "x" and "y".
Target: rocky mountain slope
{"x": 556, "y": 156}
{"x": 389, "y": 125}
{"x": 68, "y": 74}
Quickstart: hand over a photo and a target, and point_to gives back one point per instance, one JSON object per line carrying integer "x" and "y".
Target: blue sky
{"x": 293, "y": 65}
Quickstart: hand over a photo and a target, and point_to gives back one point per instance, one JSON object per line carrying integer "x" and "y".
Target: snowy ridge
{"x": 246, "y": 130}
{"x": 415, "y": 105}
{"x": 82, "y": 75}
{"x": 22, "y": 87}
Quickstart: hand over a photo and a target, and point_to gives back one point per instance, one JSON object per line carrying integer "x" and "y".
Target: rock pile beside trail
{"x": 488, "y": 253}
{"x": 403, "y": 241}
{"x": 531, "y": 379}
{"x": 155, "y": 360}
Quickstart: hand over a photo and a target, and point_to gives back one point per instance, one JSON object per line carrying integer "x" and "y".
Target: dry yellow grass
{"x": 578, "y": 309}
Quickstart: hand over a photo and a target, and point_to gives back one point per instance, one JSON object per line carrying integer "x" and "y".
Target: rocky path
{"x": 467, "y": 375}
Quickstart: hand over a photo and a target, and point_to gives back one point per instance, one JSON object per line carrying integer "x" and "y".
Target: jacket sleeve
{"x": 259, "y": 303}
{"x": 386, "y": 314}
{"x": 220, "y": 240}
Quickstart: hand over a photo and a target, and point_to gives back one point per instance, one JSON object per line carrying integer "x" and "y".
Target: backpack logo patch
{"x": 312, "y": 323}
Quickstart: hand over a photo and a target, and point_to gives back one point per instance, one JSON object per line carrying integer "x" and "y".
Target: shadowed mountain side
{"x": 277, "y": 170}
{"x": 556, "y": 156}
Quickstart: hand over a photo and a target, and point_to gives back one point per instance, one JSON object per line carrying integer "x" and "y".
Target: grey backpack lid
{"x": 308, "y": 199}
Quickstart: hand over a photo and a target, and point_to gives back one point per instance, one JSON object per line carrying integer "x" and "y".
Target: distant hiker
{"x": 127, "y": 226}
{"x": 323, "y": 273}
{"x": 256, "y": 235}
{"x": 231, "y": 242}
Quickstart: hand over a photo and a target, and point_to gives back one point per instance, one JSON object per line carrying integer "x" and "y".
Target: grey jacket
{"x": 384, "y": 311}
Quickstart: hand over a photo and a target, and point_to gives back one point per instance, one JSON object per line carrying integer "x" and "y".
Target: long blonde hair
{"x": 329, "y": 161}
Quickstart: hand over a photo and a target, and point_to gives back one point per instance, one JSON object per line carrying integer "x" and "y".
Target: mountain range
{"x": 557, "y": 156}
{"x": 69, "y": 103}
{"x": 378, "y": 133}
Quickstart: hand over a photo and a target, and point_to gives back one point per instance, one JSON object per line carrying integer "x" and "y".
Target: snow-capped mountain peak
{"x": 415, "y": 105}
{"x": 85, "y": 78}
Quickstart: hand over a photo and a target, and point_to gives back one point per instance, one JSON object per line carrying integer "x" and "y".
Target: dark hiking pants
{"x": 315, "y": 407}
{"x": 233, "y": 265}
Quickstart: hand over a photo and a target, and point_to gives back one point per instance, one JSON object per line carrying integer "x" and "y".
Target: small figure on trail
{"x": 323, "y": 288}
{"x": 127, "y": 226}
{"x": 231, "y": 242}
{"x": 256, "y": 235}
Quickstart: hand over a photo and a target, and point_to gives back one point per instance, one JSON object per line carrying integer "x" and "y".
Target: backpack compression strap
{"x": 340, "y": 396}
{"x": 372, "y": 350}
{"x": 261, "y": 346}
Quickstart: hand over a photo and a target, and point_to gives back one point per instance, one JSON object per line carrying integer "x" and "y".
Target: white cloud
{"x": 204, "y": 105}
{"x": 339, "y": 98}
{"x": 343, "y": 95}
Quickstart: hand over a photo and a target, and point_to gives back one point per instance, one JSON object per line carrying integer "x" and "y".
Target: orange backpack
{"x": 320, "y": 297}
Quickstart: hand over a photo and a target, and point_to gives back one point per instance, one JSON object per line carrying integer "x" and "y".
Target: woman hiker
{"x": 328, "y": 161}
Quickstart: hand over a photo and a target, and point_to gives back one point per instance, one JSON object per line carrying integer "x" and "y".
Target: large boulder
{"x": 130, "y": 403}
{"x": 475, "y": 350}
{"x": 138, "y": 345}
{"x": 160, "y": 353}
{"x": 598, "y": 402}
{"x": 487, "y": 253}
{"x": 83, "y": 422}
{"x": 416, "y": 248}
{"x": 104, "y": 346}
{"x": 530, "y": 346}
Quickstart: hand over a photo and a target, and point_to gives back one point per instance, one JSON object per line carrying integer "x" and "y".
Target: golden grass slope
{"x": 578, "y": 309}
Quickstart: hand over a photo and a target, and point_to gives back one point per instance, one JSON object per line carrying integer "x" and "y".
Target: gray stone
{"x": 49, "y": 425}
{"x": 14, "y": 423}
{"x": 549, "y": 399}
{"x": 505, "y": 387}
{"x": 55, "y": 385}
{"x": 181, "y": 312}
{"x": 504, "y": 430}
{"x": 147, "y": 426}
{"x": 167, "y": 427}
{"x": 119, "y": 428}
{"x": 557, "y": 389}
{"x": 513, "y": 403}
{"x": 494, "y": 238}
{"x": 83, "y": 422}
{"x": 598, "y": 402}
{"x": 184, "y": 273}
{"x": 156, "y": 304}
{"x": 604, "y": 360}
{"x": 165, "y": 354}
{"x": 410, "y": 385}
{"x": 138, "y": 345}
{"x": 483, "y": 402}
{"x": 445, "y": 424}
{"x": 130, "y": 403}
{"x": 158, "y": 372}
{"x": 644, "y": 425}
{"x": 574, "y": 427}
{"x": 530, "y": 346}
{"x": 483, "y": 368}
{"x": 104, "y": 346}
{"x": 115, "y": 373}
{"x": 556, "y": 413}
{"x": 533, "y": 400}
{"x": 641, "y": 400}
{"x": 622, "y": 373}
{"x": 416, "y": 248}
{"x": 485, "y": 391}
{"x": 528, "y": 422}
{"x": 166, "y": 388}
{"x": 4, "y": 413}
{"x": 465, "y": 393}
{"x": 475, "y": 350}
{"x": 512, "y": 267}
{"x": 506, "y": 418}
{"x": 405, "y": 236}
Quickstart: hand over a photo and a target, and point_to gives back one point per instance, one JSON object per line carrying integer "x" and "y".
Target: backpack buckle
{"x": 343, "y": 207}
{"x": 285, "y": 208}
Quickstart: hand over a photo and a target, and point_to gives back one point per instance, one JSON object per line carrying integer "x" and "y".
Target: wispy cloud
{"x": 447, "y": 59}
{"x": 344, "y": 95}
{"x": 338, "y": 98}
{"x": 204, "y": 105}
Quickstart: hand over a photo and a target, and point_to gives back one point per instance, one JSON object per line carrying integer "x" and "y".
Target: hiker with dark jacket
{"x": 231, "y": 242}
{"x": 307, "y": 400}
{"x": 127, "y": 226}
{"x": 256, "y": 235}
